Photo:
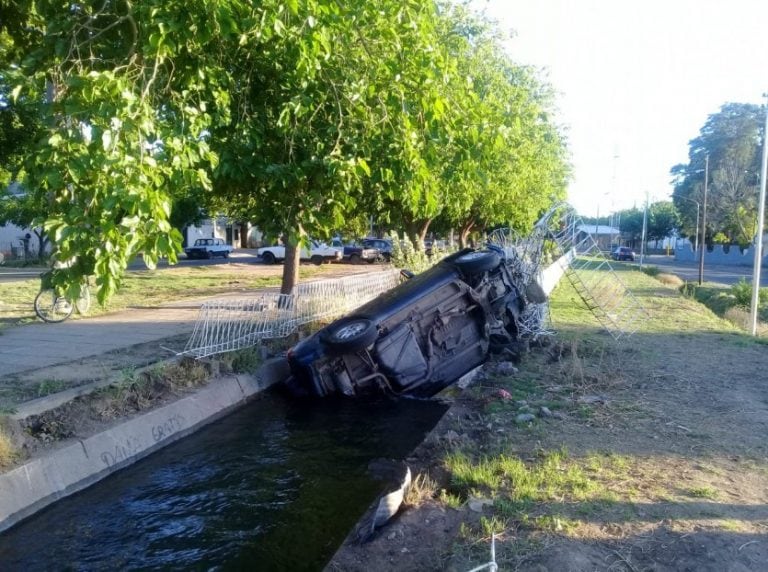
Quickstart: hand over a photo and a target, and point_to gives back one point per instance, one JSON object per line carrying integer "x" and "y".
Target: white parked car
{"x": 208, "y": 248}
{"x": 318, "y": 254}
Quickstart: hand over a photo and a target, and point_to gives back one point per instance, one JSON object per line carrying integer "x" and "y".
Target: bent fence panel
{"x": 228, "y": 325}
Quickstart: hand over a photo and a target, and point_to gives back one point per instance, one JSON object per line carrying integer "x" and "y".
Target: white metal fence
{"x": 228, "y": 325}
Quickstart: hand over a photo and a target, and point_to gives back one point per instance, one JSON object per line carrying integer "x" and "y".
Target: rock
{"x": 391, "y": 536}
{"x": 506, "y": 368}
{"x": 525, "y": 418}
{"x": 521, "y": 403}
{"x": 398, "y": 475}
{"x": 504, "y": 394}
{"x": 469, "y": 377}
{"x": 476, "y": 504}
{"x": 545, "y": 412}
{"x": 591, "y": 399}
{"x": 451, "y": 436}
{"x": 559, "y": 415}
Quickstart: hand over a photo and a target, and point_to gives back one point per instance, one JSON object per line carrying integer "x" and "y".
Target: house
{"x": 239, "y": 235}
{"x": 605, "y": 236}
{"x": 15, "y": 241}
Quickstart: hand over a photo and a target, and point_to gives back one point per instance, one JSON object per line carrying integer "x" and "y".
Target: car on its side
{"x": 317, "y": 254}
{"x": 623, "y": 253}
{"x": 419, "y": 337}
{"x": 208, "y": 248}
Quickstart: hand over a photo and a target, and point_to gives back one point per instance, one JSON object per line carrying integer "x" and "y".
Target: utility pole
{"x": 759, "y": 238}
{"x": 704, "y": 221}
{"x": 645, "y": 226}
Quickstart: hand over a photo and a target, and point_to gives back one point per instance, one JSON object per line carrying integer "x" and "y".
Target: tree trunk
{"x": 464, "y": 232}
{"x": 423, "y": 230}
{"x": 42, "y": 240}
{"x": 290, "y": 268}
{"x": 243, "y": 235}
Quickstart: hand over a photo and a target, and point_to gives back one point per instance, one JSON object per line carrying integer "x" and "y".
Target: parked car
{"x": 208, "y": 248}
{"x": 317, "y": 254}
{"x": 383, "y": 246}
{"x": 355, "y": 253}
{"x": 419, "y": 337}
{"x": 623, "y": 253}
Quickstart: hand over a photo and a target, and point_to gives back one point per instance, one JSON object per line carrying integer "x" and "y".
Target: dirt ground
{"x": 667, "y": 431}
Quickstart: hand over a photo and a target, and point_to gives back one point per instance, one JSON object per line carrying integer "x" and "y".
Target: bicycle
{"x": 53, "y": 308}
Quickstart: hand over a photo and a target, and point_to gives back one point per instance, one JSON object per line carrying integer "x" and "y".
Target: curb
{"x": 42, "y": 481}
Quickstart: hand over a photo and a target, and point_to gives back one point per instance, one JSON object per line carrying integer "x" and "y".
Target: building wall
{"x": 733, "y": 256}
{"x": 12, "y": 241}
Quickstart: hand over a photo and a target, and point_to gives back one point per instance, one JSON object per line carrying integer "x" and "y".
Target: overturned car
{"x": 419, "y": 337}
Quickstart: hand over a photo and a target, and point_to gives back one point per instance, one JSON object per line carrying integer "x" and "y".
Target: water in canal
{"x": 275, "y": 486}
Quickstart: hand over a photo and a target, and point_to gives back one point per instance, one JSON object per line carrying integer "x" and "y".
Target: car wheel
{"x": 268, "y": 257}
{"x": 349, "y": 335}
{"x": 354, "y": 258}
{"x": 317, "y": 260}
{"x": 226, "y": 254}
{"x": 478, "y": 261}
{"x": 210, "y": 255}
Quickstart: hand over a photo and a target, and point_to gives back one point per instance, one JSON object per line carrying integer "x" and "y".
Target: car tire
{"x": 349, "y": 335}
{"x": 268, "y": 257}
{"x": 477, "y": 262}
{"x": 354, "y": 258}
{"x": 317, "y": 260}
{"x": 210, "y": 254}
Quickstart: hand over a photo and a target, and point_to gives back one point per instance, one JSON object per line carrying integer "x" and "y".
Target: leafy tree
{"x": 126, "y": 95}
{"x": 662, "y": 220}
{"x": 632, "y": 223}
{"x": 732, "y": 139}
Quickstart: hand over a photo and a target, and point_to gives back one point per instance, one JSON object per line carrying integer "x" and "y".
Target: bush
{"x": 651, "y": 271}
{"x": 742, "y": 292}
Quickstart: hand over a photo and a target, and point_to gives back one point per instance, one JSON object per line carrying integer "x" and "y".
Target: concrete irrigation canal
{"x": 275, "y": 485}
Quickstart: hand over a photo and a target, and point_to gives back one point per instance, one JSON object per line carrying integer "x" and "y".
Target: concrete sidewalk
{"x": 38, "y": 345}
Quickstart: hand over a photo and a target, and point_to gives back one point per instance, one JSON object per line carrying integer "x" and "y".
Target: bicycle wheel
{"x": 83, "y": 303}
{"x": 52, "y": 308}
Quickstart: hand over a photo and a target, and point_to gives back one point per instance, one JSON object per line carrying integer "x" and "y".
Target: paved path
{"x": 39, "y": 345}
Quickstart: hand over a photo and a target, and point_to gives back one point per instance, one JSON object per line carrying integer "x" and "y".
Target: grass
{"x": 7, "y": 451}
{"x": 422, "y": 488}
{"x": 538, "y": 489}
{"x": 148, "y": 288}
{"x": 704, "y": 492}
{"x": 730, "y": 302}
{"x": 664, "y": 310}
{"x": 551, "y": 477}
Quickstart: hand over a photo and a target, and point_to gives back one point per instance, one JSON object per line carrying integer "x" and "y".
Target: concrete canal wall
{"x": 75, "y": 466}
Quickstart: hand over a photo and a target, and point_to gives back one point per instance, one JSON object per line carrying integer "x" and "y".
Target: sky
{"x": 636, "y": 81}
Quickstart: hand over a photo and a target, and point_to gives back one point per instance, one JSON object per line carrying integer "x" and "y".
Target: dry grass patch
{"x": 422, "y": 489}
{"x": 7, "y": 451}
{"x": 670, "y": 280}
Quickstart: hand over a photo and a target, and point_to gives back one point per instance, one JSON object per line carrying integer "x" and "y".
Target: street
{"x": 241, "y": 256}
{"x": 689, "y": 271}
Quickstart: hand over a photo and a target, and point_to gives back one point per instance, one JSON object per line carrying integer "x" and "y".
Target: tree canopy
{"x": 298, "y": 116}
{"x": 732, "y": 139}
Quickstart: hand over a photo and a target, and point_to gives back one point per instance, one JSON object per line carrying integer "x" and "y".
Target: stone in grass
{"x": 592, "y": 399}
{"x": 506, "y": 368}
{"x": 525, "y": 418}
{"x": 476, "y": 504}
{"x": 545, "y": 412}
